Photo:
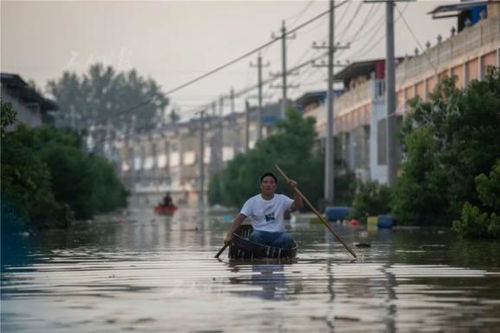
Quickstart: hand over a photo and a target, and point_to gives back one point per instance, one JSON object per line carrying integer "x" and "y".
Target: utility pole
{"x": 247, "y": 126}
{"x": 390, "y": 94}
{"x": 259, "y": 81}
{"x": 220, "y": 136}
{"x": 284, "y": 87}
{"x": 284, "y": 103}
{"x": 231, "y": 94}
{"x": 330, "y": 115}
{"x": 201, "y": 200}
{"x": 213, "y": 140}
{"x": 390, "y": 89}
{"x": 329, "y": 156}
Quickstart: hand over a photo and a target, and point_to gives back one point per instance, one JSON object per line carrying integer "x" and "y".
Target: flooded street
{"x": 147, "y": 273}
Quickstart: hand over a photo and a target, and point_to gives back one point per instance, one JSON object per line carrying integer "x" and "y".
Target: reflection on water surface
{"x": 156, "y": 274}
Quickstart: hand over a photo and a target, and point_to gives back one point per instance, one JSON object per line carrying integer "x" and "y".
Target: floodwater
{"x": 146, "y": 273}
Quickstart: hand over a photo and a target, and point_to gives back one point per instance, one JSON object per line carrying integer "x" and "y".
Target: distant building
{"x": 29, "y": 105}
{"x": 170, "y": 160}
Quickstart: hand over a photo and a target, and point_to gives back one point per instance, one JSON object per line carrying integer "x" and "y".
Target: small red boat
{"x": 165, "y": 210}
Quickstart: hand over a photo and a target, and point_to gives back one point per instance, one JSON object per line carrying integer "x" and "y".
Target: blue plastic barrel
{"x": 334, "y": 213}
{"x": 385, "y": 221}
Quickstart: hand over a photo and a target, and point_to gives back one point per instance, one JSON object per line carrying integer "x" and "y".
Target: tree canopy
{"x": 448, "y": 142}
{"x": 48, "y": 179}
{"x": 103, "y": 96}
{"x": 291, "y": 146}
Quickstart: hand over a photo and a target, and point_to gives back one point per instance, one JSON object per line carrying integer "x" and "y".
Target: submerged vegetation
{"x": 48, "y": 179}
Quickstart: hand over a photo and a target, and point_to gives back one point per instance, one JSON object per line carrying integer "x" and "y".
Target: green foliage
{"x": 291, "y": 147}
{"x": 103, "y": 96}
{"x": 47, "y": 179}
{"x": 488, "y": 188}
{"x": 87, "y": 183}
{"x": 482, "y": 220}
{"x": 26, "y": 185}
{"x": 476, "y": 224}
{"x": 8, "y": 116}
{"x": 371, "y": 199}
{"x": 447, "y": 142}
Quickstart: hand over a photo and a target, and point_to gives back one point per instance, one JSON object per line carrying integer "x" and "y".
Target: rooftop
{"x": 22, "y": 90}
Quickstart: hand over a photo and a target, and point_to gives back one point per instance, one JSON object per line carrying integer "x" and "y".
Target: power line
{"x": 378, "y": 40}
{"x": 416, "y": 39}
{"x": 365, "y": 21}
{"x": 249, "y": 53}
{"x": 302, "y": 12}
{"x": 352, "y": 20}
{"x": 291, "y": 31}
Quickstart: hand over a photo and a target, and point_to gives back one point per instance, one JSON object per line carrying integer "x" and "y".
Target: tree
{"x": 482, "y": 220}
{"x": 103, "y": 96}
{"x": 27, "y": 197}
{"x": 448, "y": 141}
{"x": 370, "y": 199}
{"x": 47, "y": 179}
{"x": 291, "y": 146}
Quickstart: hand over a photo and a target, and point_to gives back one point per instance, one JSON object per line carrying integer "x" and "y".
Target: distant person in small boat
{"x": 167, "y": 200}
{"x": 266, "y": 211}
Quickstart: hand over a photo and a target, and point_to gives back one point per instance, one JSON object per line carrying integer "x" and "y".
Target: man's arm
{"x": 297, "y": 198}
{"x": 235, "y": 225}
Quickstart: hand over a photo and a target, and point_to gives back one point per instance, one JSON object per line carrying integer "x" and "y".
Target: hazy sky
{"x": 176, "y": 41}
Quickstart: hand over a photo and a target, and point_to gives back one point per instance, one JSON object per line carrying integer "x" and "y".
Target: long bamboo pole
{"x": 321, "y": 218}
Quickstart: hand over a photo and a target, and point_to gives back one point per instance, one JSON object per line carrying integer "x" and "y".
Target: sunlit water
{"x": 158, "y": 274}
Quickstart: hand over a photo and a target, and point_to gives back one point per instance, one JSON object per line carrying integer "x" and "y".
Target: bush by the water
{"x": 371, "y": 199}
{"x": 48, "y": 179}
{"x": 448, "y": 142}
{"x": 482, "y": 220}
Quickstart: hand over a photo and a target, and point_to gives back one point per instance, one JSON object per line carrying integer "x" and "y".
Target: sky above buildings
{"x": 174, "y": 42}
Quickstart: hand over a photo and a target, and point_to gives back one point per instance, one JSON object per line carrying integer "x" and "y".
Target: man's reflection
{"x": 270, "y": 277}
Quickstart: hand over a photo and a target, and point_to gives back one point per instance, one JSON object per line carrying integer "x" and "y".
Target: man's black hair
{"x": 269, "y": 174}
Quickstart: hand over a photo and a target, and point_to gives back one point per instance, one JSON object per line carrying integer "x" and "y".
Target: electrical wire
{"x": 213, "y": 71}
{"x": 379, "y": 39}
{"x": 416, "y": 39}
{"x": 257, "y": 49}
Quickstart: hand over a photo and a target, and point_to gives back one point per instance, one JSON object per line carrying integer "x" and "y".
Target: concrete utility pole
{"x": 330, "y": 99}
{"x": 247, "y": 126}
{"x": 220, "y": 136}
{"x": 231, "y": 94}
{"x": 284, "y": 86}
{"x": 390, "y": 90}
{"x": 284, "y": 103}
{"x": 201, "y": 200}
{"x": 390, "y": 94}
{"x": 329, "y": 156}
{"x": 213, "y": 139}
{"x": 259, "y": 83}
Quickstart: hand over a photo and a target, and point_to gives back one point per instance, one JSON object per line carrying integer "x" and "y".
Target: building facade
{"x": 29, "y": 104}
{"x": 360, "y": 110}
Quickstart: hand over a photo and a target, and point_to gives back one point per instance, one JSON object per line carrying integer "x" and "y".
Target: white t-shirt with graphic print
{"x": 267, "y": 215}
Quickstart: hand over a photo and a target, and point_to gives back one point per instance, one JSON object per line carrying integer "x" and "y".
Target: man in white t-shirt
{"x": 266, "y": 211}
